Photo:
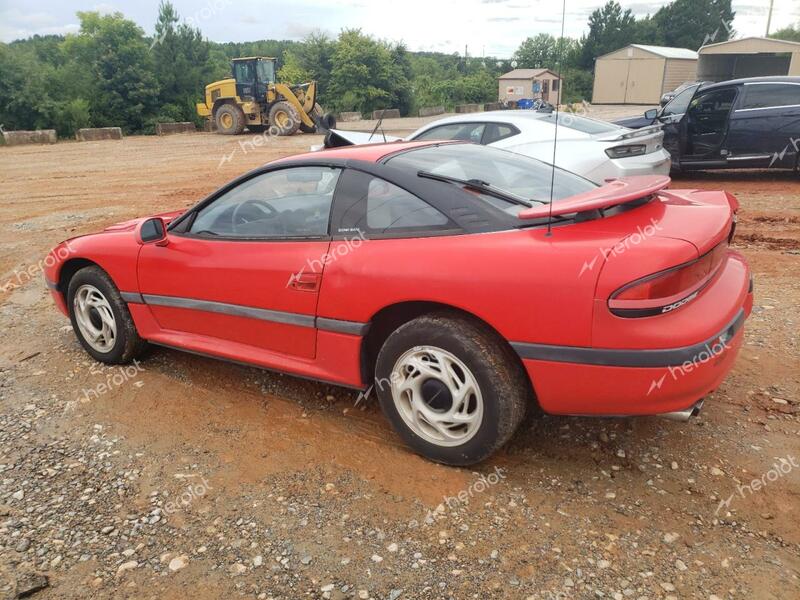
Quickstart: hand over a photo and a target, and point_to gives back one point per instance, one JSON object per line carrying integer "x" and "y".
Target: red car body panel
{"x": 538, "y": 291}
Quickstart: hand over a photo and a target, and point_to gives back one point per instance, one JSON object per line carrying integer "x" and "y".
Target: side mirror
{"x": 651, "y": 114}
{"x": 153, "y": 231}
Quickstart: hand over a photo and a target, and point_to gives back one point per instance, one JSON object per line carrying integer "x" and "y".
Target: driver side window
{"x": 288, "y": 203}
{"x": 467, "y": 132}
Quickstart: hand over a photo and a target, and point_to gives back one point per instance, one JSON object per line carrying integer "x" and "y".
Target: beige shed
{"x": 748, "y": 57}
{"x": 530, "y": 83}
{"x": 638, "y": 74}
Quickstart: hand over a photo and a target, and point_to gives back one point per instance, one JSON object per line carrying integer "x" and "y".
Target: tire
{"x": 479, "y": 360}
{"x": 229, "y": 119}
{"x": 284, "y": 118}
{"x": 92, "y": 285}
{"x": 316, "y": 113}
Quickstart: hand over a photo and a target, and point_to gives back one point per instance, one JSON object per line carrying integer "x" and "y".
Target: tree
{"x": 365, "y": 76}
{"x": 181, "y": 65}
{"x": 113, "y": 53}
{"x": 790, "y": 33}
{"x": 694, "y": 23}
{"x": 609, "y": 29}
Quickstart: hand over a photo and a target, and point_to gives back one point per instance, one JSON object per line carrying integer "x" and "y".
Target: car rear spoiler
{"x": 613, "y": 193}
{"x": 635, "y": 133}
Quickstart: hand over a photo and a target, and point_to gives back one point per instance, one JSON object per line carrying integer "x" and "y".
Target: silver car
{"x": 594, "y": 149}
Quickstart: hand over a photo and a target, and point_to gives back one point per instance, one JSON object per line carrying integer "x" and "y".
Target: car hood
{"x": 131, "y": 224}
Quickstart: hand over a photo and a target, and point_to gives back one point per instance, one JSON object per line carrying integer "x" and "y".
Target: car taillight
{"x": 667, "y": 290}
{"x": 625, "y": 151}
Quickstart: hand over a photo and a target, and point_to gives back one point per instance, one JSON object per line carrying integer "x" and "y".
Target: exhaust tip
{"x": 684, "y": 415}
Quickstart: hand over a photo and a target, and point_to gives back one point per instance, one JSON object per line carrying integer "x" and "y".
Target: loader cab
{"x": 253, "y": 76}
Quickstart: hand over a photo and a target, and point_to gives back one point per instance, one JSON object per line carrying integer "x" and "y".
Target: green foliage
{"x": 790, "y": 33}
{"x": 693, "y": 23}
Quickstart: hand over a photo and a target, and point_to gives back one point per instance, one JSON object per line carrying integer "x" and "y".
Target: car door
{"x": 704, "y": 128}
{"x": 245, "y": 268}
{"x": 765, "y": 125}
{"x": 671, "y": 117}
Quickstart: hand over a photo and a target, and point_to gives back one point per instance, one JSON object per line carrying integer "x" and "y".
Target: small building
{"x": 748, "y": 57}
{"x": 530, "y": 83}
{"x": 638, "y": 74}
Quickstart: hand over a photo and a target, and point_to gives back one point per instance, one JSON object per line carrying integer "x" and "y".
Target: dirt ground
{"x": 196, "y": 478}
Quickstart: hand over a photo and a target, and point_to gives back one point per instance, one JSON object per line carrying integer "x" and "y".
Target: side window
{"x": 771, "y": 95}
{"x": 288, "y": 203}
{"x": 679, "y": 104}
{"x": 716, "y": 103}
{"x": 468, "y": 132}
{"x": 498, "y": 131}
{"x": 390, "y": 207}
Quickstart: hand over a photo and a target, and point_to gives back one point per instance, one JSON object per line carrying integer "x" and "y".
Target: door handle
{"x": 304, "y": 282}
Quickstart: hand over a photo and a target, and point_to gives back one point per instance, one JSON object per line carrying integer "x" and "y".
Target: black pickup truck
{"x": 738, "y": 124}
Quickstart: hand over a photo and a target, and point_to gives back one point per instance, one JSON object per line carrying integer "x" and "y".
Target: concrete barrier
{"x": 430, "y": 111}
{"x": 493, "y": 106}
{"x": 349, "y": 117}
{"x": 98, "y": 133}
{"x": 170, "y": 128}
{"x": 389, "y": 113}
{"x": 40, "y": 136}
{"x": 469, "y": 108}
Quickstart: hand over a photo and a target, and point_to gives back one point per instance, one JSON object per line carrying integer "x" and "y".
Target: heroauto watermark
{"x": 20, "y": 278}
{"x": 318, "y": 264}
{"x": 115, "y": 378}
{"x": 708, "y": 353}
{"x": 211, "y": 9}
{"x": 192, "y": 493}
{"x": 782, "y": 467}
{"x": 776, "y": 156}
{"x": 636, "y": 238}
{"x": 478, "y": 486}
{"x": 251, "y": 143}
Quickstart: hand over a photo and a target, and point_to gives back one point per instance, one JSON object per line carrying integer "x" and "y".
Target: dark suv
{"x": 743, "y": 123}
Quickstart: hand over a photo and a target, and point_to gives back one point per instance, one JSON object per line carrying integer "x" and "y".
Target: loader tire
{"x": 315, "y": 114}
{"x": 283, "y": 119}
{"x": 230, "y": 119}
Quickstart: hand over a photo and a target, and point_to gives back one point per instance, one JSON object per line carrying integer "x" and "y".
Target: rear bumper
{"x": 642, "y": 380}
{"x": 654, "y": 163}
{"x": 582, "y": 388}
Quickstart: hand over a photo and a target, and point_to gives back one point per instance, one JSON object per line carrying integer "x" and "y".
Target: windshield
{"x": 520, "y": 175}
{"x": 679, "y": 104}
{"x": 266, "y": 71}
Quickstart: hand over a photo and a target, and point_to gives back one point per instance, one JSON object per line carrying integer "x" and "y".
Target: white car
{"x": 594, "y": 149}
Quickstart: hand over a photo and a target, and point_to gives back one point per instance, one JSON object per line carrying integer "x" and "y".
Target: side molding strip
{"x": 631, "y": 358}
{"x": 263, "y": 314}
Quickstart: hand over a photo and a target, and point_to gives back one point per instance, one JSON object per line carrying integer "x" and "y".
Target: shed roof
{"x": 663, "y": 51}
{"x": 526, "y": 73}
{"x": 768, "y": 44}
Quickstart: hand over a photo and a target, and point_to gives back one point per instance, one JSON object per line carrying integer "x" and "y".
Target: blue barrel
{"x": 525, "y": 103}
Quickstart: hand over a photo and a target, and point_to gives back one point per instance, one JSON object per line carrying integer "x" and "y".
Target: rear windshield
{"x": 510, "y": 172}
{"x": 582, "y": 124}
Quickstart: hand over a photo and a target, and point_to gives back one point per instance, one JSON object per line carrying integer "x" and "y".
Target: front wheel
{"x": 100, "y": 318}
{"x": 451, "y": 388}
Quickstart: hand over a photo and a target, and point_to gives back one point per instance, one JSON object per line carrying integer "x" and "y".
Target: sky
{"x": 486, "y": 27}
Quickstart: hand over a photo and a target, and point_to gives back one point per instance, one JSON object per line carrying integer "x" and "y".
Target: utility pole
{"x": 769, "y": 16}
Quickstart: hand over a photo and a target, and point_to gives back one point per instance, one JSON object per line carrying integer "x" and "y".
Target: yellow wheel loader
{"x": 252, "y": 99}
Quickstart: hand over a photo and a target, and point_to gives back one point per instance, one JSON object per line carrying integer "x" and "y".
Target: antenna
{"x": 558, "y": 103}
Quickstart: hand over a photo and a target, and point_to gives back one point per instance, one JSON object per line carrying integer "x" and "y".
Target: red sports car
{"x": 464, "y": 283}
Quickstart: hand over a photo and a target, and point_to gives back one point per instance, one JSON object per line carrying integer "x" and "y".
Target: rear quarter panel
{"x": 528, "y": 286}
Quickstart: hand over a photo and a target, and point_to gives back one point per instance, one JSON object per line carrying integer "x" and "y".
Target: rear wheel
{"x": 100, "y": 318}
{"x": 230, "y": 119}
{"x": 451, "y": 388}
{"x": 284, "y": 118}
